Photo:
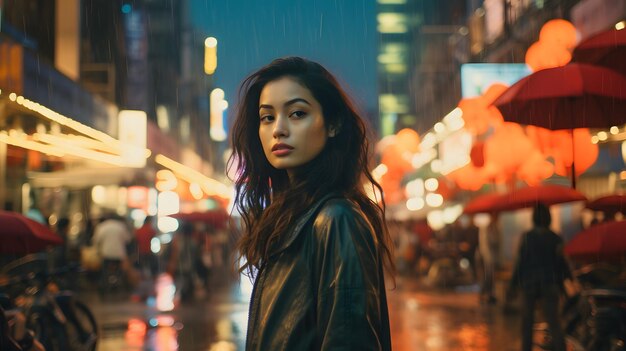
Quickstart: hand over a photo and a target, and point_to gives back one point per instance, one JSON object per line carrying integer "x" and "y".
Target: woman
{"x": 312, "y": 238}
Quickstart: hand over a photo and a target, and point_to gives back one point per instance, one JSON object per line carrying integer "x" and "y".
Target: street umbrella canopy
{"x": 573, "y": 96}
{"x": 522, "y": 198}
{"x": 609, "y": 203}
{"x": 606, "y": 49}
{"x": 599, "y": 242}
{"x": 21, "y": 235}
{"x": 483, "y": 203}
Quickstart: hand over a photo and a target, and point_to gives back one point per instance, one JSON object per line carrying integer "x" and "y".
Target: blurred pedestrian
{"x": 489, "y": 247}
{"x": 408, "y": 246}
{"x": 468, "y": 242}
{"x": 60, "y": 253}
{"x": 313, "y": 240}
{"x": 540, "y": 271}
{"x": 203, "y": 235}
{"x": 145, "y": 256}
{"x": 111, "y": 238}
{"x": 183, "y": 259}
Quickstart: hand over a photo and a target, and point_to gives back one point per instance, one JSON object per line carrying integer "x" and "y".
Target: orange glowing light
{"x": 542, "y": 55}
{"x": 408, "y": 140}
{"x": 559, "y": 32}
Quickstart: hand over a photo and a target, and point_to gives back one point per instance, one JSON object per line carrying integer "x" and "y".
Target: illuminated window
{"x": 396, "y": 68}
{"x": 394, "y": 57}
{"x": 390, "y": 103}
{"x": 391, "y": 22}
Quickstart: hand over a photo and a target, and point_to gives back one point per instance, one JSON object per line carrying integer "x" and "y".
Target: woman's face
{"x": 291, "y": 128}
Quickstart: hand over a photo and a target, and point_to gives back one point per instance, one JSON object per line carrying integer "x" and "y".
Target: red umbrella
{"x": 523, "y": 198}
{"x": 607, "y": 49}
{"x": 568, "y": 97}
{"x": 22, "y": 235}
{"x": 601, "y": 241}
{"x": 610, "y": 203}
{"x": 572, "y": 96}
{"x": 483, "y": 203}
{"x": 216, "y": 218}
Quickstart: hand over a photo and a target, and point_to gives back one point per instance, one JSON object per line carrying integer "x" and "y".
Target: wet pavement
{"x": 421, "y": 319}
{"x": 450, "y": 319}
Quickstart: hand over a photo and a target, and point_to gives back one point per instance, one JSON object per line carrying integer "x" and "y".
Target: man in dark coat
{"x": 540, "y": 271}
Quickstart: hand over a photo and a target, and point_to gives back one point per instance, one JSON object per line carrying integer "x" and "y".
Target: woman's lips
{"x": 282, "y": 152}
{"x": 282, "y": 149}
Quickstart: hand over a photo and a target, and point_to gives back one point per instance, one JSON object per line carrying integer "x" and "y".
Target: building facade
{"x": 96, "y": 98}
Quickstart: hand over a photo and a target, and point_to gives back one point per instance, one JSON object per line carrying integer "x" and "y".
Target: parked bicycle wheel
{"x": 48, "y": 331}
{"x": 81, "y": 328}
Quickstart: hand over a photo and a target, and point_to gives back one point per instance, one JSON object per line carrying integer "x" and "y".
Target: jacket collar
{"x": 292, "y": 235}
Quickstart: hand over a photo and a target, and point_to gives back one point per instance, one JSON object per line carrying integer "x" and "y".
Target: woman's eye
{"x": 298, "y": 114}
{"x": 267, "y": 118}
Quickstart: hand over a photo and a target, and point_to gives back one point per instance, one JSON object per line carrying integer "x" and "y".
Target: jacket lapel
{"x": 300, "y": 223}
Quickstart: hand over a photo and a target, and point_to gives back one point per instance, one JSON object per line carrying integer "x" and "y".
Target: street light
{"x": 217, "y": 106}
{"x": 210, "y": 55}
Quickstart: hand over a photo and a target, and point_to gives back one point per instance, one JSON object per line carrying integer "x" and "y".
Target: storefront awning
{"x": 81, "y": 178}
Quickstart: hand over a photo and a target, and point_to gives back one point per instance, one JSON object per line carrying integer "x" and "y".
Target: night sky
{"x": 339, "y": 34}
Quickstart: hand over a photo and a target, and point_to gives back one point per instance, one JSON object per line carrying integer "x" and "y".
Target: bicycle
{"x": 595, "y": 320}
{"x": 58, "y": 319}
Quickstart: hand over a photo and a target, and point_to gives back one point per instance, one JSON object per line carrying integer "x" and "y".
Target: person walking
{"x": 111, "y": 238}
{"x": 489, "y": 250}
{"x": 145, "y": 256}
{"x": 468, "y": 243}
{"x": 60, "y": 254}
{"x": 540, "y": 271}
{"x": 313, "y": 241}
{"x": 183, "y": 259}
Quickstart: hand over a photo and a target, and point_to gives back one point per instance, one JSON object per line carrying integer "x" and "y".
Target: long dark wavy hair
{"x": 268, "y": 201}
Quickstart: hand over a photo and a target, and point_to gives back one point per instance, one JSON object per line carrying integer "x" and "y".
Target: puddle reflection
{"x": 159, "y": 334}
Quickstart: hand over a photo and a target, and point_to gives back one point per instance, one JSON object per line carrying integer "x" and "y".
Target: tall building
{"x": 49, "y": 123}
{"x": 144, "y": 55}
{"x": 96, "y": 98}
{"x": 417, "y": 64}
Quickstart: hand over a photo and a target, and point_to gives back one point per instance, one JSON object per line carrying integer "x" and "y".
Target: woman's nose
{"x": 281, "y": 127}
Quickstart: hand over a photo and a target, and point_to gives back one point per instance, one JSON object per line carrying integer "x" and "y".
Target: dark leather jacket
{"x": 322, "y": 288}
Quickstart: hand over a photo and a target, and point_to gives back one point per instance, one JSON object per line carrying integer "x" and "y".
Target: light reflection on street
{"x": 217, "y": 320}
{"x": 223, "y": 346}
{"x": 225, "y": 336}
{"x": 448, "y": 321}
{"x": 161, "y": 335}
{"x": 163, "y": 339}
{"x": 136, "y": 333}
{"x": 165, "y": 292}
{"x": 473, "y": 337}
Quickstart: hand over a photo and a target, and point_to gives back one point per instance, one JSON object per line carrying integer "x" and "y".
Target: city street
{"x": 464, "y": 141}
{"x": 421, "y": 319}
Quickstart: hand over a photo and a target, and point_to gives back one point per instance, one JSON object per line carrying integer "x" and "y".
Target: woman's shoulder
{"x": 338, "y": 206}
{"x": 341, "y": 209}
{"x": 341, "y": 213}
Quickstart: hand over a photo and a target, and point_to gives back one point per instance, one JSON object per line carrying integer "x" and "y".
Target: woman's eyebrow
{"x": 288, "y": 103}
{"x": 293, "y": 101}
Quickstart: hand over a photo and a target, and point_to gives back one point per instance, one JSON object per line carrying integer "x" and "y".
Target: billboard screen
{"x": 477, "y": 77}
